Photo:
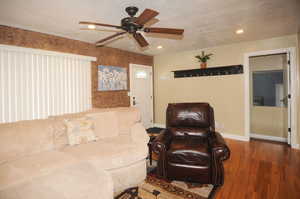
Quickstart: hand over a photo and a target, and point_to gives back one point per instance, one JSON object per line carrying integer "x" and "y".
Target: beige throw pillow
{"x": 80, "y": 130}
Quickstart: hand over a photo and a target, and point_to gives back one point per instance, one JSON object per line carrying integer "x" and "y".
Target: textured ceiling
{"x": 206, "y": 22}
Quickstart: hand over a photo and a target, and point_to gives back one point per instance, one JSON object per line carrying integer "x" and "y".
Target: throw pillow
{"x": 80, "y": 130}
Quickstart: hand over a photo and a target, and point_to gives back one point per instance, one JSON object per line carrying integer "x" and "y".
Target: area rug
{"x": 154, "y": 187}
{"x": 131, "y": 193}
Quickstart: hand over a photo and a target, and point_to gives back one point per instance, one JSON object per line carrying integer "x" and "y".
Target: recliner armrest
{"x": 160, "y": 146}
{"x": 218, "y": 146}
{"x": 162, "y": 142}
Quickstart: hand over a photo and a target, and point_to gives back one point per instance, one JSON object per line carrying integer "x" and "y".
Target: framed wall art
{"x": 112, "y": 78}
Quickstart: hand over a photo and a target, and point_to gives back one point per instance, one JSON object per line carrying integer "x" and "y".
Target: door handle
{"x": 133, "y": 101}
{"x": 285, "y": 100}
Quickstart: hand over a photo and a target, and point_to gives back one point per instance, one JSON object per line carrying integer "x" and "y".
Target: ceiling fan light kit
{"x": 91, "y": 26}
{"x": 133, "y": 25}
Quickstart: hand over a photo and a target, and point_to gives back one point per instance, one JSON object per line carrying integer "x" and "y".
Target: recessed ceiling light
{"x": 239, "y": 31}
{"x": 159, "y": 47}
{"x": 91, "y": 26}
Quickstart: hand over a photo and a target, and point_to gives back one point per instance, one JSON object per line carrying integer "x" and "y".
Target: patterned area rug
{"x": 131, "y": 193}
{"x": 153, "y": 187}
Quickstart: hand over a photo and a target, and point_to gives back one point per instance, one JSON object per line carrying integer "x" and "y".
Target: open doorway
{"x": 269, "y": 97}
{"x": 284, "y": 100}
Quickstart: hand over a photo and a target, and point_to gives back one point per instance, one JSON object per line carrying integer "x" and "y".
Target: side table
{"x": 152, "y": 138}
{"x": 153, "y": 133}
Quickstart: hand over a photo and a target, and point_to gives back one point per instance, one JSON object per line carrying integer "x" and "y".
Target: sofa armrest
{"x": 139, "y": 134}
{"x": 218, "y": 145}
{"x": 162, "y": 142}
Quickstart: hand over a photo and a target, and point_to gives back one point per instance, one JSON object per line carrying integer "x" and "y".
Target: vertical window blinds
{"x": 35, "y": 84}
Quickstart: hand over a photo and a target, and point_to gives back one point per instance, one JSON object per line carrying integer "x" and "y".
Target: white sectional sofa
{"x": 37, "y": 162}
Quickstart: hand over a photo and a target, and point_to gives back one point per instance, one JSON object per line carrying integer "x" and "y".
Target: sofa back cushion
{"x": 105, "y": 124}
{"x": 139, "y": 134}
{"x": 122, "y": 119}
{"x": 24, "y": 138}
{"x": 127, "y": 117}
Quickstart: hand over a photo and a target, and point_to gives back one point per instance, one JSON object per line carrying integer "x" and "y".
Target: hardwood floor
{"x": 261, "y": 170}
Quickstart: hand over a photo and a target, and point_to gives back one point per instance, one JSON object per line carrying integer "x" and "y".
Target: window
{"x": 35, "y": 84}
{"x": 268, "y": 88}
{"x": 141, "y": 74}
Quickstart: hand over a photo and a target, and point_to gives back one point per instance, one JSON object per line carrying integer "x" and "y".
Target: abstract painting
{"x": 112, "y": 78}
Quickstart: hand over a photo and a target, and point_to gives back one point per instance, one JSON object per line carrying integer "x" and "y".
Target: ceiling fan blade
{"x": 110, "y": 37}
{"x": 140, "y": 39}
{"x": 99, "y": 24}
{"x": 172, "y": 31}
{"x": 146, "y": 16}
{"x": 102, "y": 30}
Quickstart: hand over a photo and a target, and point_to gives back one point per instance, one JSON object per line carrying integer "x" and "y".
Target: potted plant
{"x": 203, "y": 59}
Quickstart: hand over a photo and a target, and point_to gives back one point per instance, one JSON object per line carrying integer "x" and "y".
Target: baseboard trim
{"x": 159, "y": 125}
{"x": 297, "y": 146}
{"x": 235, "y": 137}
{"x": 268, "y": 137}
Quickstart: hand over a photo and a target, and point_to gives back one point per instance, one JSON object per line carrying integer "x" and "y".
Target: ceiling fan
{"x": 133, "y": 25}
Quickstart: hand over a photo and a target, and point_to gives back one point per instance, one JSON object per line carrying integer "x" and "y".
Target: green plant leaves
{"x": 203, "y": 58}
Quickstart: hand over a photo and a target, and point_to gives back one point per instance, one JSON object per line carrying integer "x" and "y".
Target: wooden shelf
{"x": 212, "y": 71}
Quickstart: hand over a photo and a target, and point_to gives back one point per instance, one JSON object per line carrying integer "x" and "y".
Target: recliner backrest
{"x": 190, "y": 115}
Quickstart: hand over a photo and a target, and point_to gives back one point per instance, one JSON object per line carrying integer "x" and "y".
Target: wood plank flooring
{"x": 261, "y": 170}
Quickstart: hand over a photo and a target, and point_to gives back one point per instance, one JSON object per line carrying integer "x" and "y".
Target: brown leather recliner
{"x": 190, "y": 149}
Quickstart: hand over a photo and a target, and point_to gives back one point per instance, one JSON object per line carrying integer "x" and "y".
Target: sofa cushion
{"x": 75, "y": 115}
{"x": 127, "y": 117}
{"x": 24, "y": 169}
{"x": 109, "y": 153}
{"x": 139, "y": 134}
{"x": 60, "y": 135}
{"x": 80, "y": 131}
{"x": 105, "y": 123}
{"x": 23, "y": 138}
{"x": 77, "y": 181}
{"x": 59, "y": 128}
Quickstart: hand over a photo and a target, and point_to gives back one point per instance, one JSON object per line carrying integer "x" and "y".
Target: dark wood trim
{"x": 212, "y": 71}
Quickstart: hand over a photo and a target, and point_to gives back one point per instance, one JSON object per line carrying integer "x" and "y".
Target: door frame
{"x": 293, "y": 88}
{"x": 131, "y": 66}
